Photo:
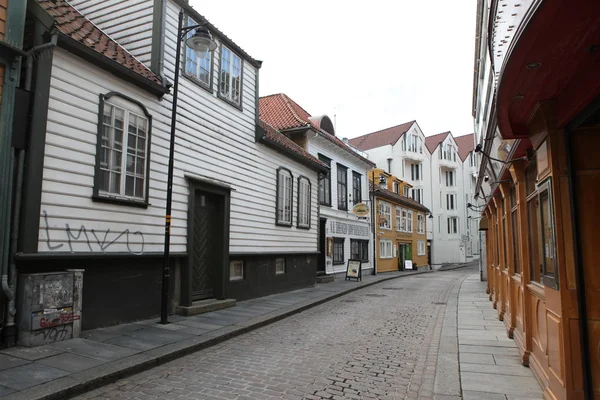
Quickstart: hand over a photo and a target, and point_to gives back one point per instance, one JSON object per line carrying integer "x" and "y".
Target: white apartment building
{"x": 440, "y": 170}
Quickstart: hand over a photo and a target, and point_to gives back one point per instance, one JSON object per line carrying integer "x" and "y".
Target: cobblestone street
{"x": 379, "y": 342}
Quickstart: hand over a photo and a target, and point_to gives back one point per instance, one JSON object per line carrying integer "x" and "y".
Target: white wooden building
{"x": 342, "y": 234}
{"x": 239, "y": 186}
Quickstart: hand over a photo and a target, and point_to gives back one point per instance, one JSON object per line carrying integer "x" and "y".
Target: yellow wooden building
{"x": 400, "y": 225}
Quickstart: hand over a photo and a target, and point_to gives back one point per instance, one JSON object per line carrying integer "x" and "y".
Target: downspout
{"x": 432, "y": 222}
{"x": 9, "y": 275}
{"x": 373, "y": 223}
{"x": 585, "y": 350}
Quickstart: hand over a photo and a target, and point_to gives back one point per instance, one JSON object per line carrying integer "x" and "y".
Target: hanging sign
{"x": 361, "y": 210}
{"x": 354, "y": 270}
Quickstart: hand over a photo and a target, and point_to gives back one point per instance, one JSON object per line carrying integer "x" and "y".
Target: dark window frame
{"x": 219, "y": 95}
{"x": 343, "y": 206}
{"x": 548, "y": 279}
{"x": 363, "y": 249}
{"x": 326, "y": 179}
{"x": 300, "y": 178}
{"x": 338, "y": 241}
{"x": 356, "y": 190}
{"x": 193, "y": 78}
{"x": 96, "y": 196}
{"x": 291, "y": 200}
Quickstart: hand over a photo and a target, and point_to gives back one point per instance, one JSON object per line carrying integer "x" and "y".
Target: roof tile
{"x": 466, "y": 144}
{"x": 432, "y": 141}
{"x": 382, "y": 137}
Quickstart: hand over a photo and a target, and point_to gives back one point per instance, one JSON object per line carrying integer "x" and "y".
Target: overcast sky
{"x": 373, "y": 64}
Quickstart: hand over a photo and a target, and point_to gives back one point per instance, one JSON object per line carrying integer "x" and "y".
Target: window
{"x": 359, "y": 250}
{"x": 416, "y": 172}
{"x": 472, "y": 159}
{"x": 412, "y": 142}
{"x": 449, "y": 178}
{"x": 452, "y": 225}
{"x": 417, "y": 195}
{"x": 122, "y": 158}
{"x": 236, "y": 270}
{"x": 548, "y": 241}
{"x": 396, "y": 186}
{"x": 400, "y": 219}
{"x": 356, "y": 187}
{"x": 421, "y": 223}
{"x": 451, "y": 201}
{"x": 385, "y": 248}
{"x": 338, "y": 250}
{"x": 303, "y": 202}
{"x": 279, "y": 266}
{"x": 342, "y": 187}
{"x": 196, "y": 68}
{"x": 230, "y": 85}
{"x": 421, "y": 248}
{"x": 406, "y": 191}
{"x": 325, "y": 184}
{"x": 385, "y": 215}
{"x": 515, "y": 229}
{"x": 284, "y": 197}
{"x": 409, "y": 221}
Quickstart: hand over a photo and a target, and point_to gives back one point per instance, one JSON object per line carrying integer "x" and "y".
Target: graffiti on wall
{"x": 95, "y": 239}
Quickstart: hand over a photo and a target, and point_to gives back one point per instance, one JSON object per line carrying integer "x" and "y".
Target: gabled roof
{"x": 71, "y": 24}
{"x": 382, "y": 137}
{"x": 280, "y": 141}
{"x": 399, "y": 198}
{"x": 283, "y": 113}
{"x": 432, "y": 142}
{"x": 466, "y": 144}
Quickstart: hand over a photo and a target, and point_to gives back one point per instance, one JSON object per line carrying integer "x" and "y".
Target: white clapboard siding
{"x": 214, "y": 140}
{"x": 128, "y": 22}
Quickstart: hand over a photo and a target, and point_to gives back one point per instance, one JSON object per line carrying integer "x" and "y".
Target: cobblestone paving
{"x": 377, "y": 343}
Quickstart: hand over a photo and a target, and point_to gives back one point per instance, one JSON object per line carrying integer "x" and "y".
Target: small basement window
{"x": 280, "y": 266}
{"x": 236, "y": 270}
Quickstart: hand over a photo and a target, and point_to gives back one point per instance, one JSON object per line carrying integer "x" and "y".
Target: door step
{"x": 204, "y": 306}
{"x": 325, "y": 278}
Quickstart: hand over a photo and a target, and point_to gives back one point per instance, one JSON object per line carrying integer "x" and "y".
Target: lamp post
{"x": 201, "y": 42}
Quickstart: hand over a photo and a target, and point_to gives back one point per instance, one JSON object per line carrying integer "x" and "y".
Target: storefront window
{"x": 548, "y": 240}
{"x": 534, "y": 242}
{"x": 515, "y": 229}
{"x": 504, "y": 241}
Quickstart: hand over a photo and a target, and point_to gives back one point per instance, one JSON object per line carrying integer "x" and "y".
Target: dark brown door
{"x": 204, "y": 254}
{"x": 321, "y": 259}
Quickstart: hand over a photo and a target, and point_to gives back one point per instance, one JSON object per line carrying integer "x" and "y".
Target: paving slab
{"x": 133, "y": 343}
{"x": 30, "y": 353}
{"x": 70, "y": 362}
{"x": 97, "y": 350}
{"x": 29, "y": 375}
{"x": 501, "y": 384}
{"x": 7, "y": 361}
{"x": 472, "y": 395}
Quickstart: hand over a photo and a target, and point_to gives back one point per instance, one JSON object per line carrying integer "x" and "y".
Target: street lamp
{"x": 201, "y": 42}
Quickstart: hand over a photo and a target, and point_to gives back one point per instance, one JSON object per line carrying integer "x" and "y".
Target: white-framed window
{"x": 452, "y": 225}
{"x": 403, "y": 217}
{"x": 399, "y": 219}
{"x": 471, "y": 159}
{"x": 395, "y": 185}
{"x": 421, "y": 248}
{"x": 416, "y": 172}
{"x": 451, "y": 201}
{"x": 279, "y": 266}
{"x": 420, "y": 223}
{"x": 449, "y": 178}
{"x": 230, "y": 81}
{"x": 198, "y": 68}
{"x": 284, "y": 197}
{"x": 417, "y": 195}
{"x": 385, "y": 248}
{"x": 406, "y": 191}
{"x": 412, "y": 142}
{"x": 385, "y": 215}
{"x": 409, "y": 221}
{"x": 123, "y": 156}
{"x": 236, "y": 270}
{"x": 303, "y": 202}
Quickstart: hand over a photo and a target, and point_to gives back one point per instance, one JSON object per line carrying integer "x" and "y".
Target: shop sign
{"x": 360, "y": 210}
{"x": 354, "y": 270}
{"x": 342, "y": 228}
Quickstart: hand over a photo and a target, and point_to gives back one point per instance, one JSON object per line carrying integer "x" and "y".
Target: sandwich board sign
{"x": 354, "y": 270}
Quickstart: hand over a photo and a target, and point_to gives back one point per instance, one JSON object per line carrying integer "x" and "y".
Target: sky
{"x": 369, "y": 65}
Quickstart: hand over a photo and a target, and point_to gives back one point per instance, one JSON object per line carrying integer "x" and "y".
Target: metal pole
{"x": 373, "y": 221}
{"x": 164, "y": 300}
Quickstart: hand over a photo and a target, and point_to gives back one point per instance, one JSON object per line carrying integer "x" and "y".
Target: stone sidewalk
{"x": 488, "y": 359}
{"x": 101, "y": 356}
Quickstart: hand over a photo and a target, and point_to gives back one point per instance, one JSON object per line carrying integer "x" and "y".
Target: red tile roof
{"x": 432, "y": 141}
{"x": 466, "y": 144}
{"x": 283, "y": 113}
{"x": 382, "y": 137}
{"x": 274, "y": 136}
{"x": 74, "y": 25}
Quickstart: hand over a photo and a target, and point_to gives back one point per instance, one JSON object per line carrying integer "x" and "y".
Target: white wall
{"x": 214, "y": 140}
{"x": 128, "y": 22}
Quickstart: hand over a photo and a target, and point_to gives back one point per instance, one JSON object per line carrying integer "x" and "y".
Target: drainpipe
{"x": 373, "y": 223}
{"x": 9, "y": 275}
{"x": 586, "y": 368}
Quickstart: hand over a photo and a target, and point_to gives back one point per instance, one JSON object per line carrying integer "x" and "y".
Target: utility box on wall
{"x": 49, "y": 307}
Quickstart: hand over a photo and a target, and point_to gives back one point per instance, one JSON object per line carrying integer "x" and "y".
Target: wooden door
{"x": 204, "y": 257}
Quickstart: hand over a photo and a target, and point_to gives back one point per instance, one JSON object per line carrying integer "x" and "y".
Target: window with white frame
{"x": 398, "y": 219}
{"x": 451, "y": 201}
{"x": 279, "y": 266}
{"x": 403, "y": 217}
{"x": 417, "y": 195}
{"x": 122, "y": 160}
{"x": 230, "y": 80}
{"x": 416, "y": 172}
{"x": 421, "y": 248}
{"x": 420, "y": 223}
{"x": 412, "y": 142}
{"x": 406, "y": 191}
{"x": 385, "y": 215}
{"x": 284, "y": 197}
{"x": 395, "y": 185}
{"x": 303, "y": 202}
{"x": 449, "y": 178}
{"x": 196, "y": 67}
{"x": 452, "y": 225}
{"x": 385, "y": 248}
{"x": 236, "y": 270}
{"x": 409, "y": 221}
